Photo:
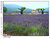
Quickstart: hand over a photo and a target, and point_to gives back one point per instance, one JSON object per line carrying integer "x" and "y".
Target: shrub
{"x": 4, "y": 9}
{"x": 19, "y": 29}
{"x": 4, "y": 27}
{"x": 24, "y": 29}
{"x": 34, "y": 28}
{"x": 44, "y": 32}
{"x": 13, "y": 29}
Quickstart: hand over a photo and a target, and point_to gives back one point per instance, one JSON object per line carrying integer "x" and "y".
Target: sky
{"x": 31, "y": 5}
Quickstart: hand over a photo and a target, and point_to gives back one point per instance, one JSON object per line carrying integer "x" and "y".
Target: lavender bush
{"x": 27, "y": 24}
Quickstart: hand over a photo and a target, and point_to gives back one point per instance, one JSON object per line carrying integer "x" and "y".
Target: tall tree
{"x": 4, "y": 9}
{"x": 22, "y": 9}
{"x": 42, "y": 10}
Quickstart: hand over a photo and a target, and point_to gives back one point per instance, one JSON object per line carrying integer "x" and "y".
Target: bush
{"x": 24, "y": 29}
{"x": 4, "y": 9}
{"x": 4, "y": 27}
{"x": 19, "y": 29}
{"x": 43, "y": 32}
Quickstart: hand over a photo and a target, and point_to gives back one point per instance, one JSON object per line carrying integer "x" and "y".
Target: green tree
{"x": 42, "y": 10}
{"x": 38, "y": 9}
{"x": 22, "y": 9}
{"x": 4, "y": 9}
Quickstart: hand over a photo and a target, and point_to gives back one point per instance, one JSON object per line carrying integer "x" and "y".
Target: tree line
{"x": 23, "y": 8}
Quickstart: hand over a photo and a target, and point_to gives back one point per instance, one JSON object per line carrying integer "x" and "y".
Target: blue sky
{"x": 31, "y": 5}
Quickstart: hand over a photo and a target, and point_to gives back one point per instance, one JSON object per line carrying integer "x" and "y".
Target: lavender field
{"x": 25, "y": 19}
{"x": 42, "y": 19}
{"x": 29, "y": 21}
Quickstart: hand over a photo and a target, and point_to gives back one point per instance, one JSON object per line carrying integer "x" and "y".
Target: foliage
{"x": 44, "y": 31}
{"x": 34, "y": 28}
{"x": 38, "y": 9}
{"x": 4, "y": 26}
{"x": 17, "y": 29}
{"x": 13, "y": 29}
{"x": 4, "y": 9}
{"x": 27, "y": 23}
{"x": 22, "y": 9}
{"x": 17, "y": 11}
{"x": 24, "y": 29}
{"x": 42, "y": 10}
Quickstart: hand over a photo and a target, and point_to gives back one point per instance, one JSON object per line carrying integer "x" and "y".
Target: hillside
{"x": 14, "y": 7}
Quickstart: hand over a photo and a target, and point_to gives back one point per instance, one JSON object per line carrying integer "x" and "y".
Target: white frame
{"x": 1, "y": 20}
